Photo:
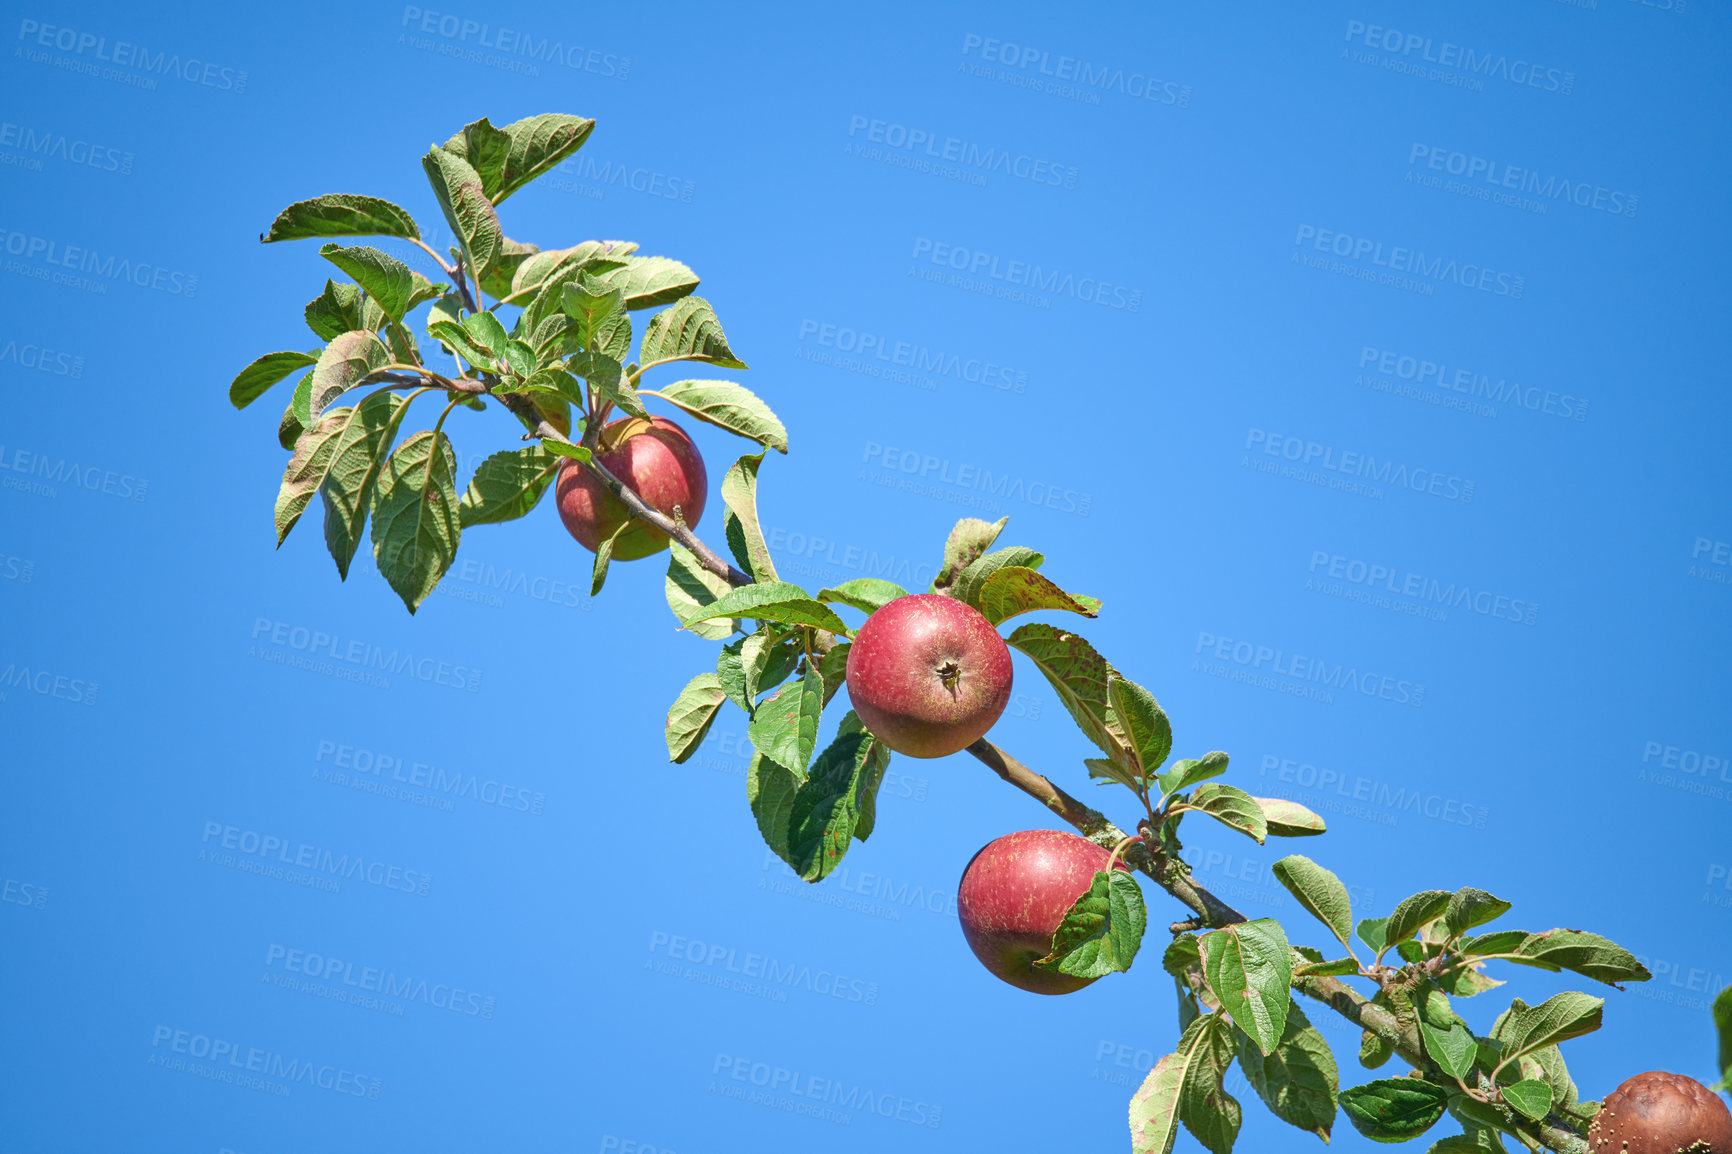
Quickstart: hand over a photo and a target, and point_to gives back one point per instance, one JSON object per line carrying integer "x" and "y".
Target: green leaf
{"x": 1496, "y": 942}
{"x": 1480, "y": 1141}
{"x": 773, "y": 601}
{"x": 687, "y": 330}
{"x": 1299, "y": 1081}
{"x": 1181, "y": 955}
{"x": 458, "y": 189}
{"x": 1320, "y": 892}
{"x": 289, "y": 425}
{"x": 537, "y": 145}
{"x": 1723, "y": 1026}
{"x": 351, "y": 475}
{"x": 1108, "y": 770}
{"x": 833, "y": 804}
{"x": 1249, "y": 966}
{"x": 1337, "y": 968}
{"x": 496, "y": 282}
{"x": 599, "y": 312}
{"x": 1549, "y": 1062}
{"x": 415, "y": 519}
{"x": 1101, "y": 931}
{"x": 486, "y": 333}
{"x": 1452, "y": 1047}
{"x": 771, "y": 788}
{"x": 785, "y": 727}
{"x": 506, "y": 486}
{"x": 1466, "y": 981}
{"x": 258, "y": 377}
{"x": 968, "y": 541}
{"x": 740, "y": 524}
{"x": 1288, "y": 818}
{"x": 1372, "y": 931}
{"x": 1469, "y": 907}
{"x": 1190, "y": 771}
{"x": 342, "y": 308}
{"x": 1524, "y": 1028}
{"x": 1529, "y": 1097}
{"x": 394, "y": 286}
{"x": 833, "y": 668}
{"x": 1374, "y": 1050}
{"x": 1394, "y": 1109}
{"x": 1587, "y": 954}
{"x": 567, "y": 449}
{"x": 1016, "y": 589}
{"x": 305, "y": 471}
{"x": 1210, "y": 1113}
{"x": 1143, "y": 721}
{"x": 691, "y": 714}
{"x": 727, "y": 406}
{"x": 484, "y": 147}
{"x": 1155, "y": 1106}
{"x": 731, "y": 672}
{"x": 1078, "y": 674}
{"x": 691, "y": 589}
{"x": 968, "y": 585}
{"x": 649, "y": 281}
{"x": 1232, "y": 807}
{"x": 603, "y": 555}
{"x": 607, "y": 377}
{"x": 342, "y": 366}
{"x": 868, "y": 594}
{"x": 341, "y": 214}
{"x": 1434, "y": 1007}
{"x": 1414, "y": 912}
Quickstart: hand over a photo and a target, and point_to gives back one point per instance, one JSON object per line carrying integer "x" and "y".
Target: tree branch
{"x": 526, "y": 412}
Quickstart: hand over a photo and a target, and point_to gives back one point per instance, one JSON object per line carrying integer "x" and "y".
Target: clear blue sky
{"x": 1310, "y": 336}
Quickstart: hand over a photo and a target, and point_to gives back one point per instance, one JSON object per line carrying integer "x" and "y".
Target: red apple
{"x": 660, "y": 463}
{"x": 928, "y": 675}
{"x": 1660, "y": 1113}
{"x": 1013, "y": 897}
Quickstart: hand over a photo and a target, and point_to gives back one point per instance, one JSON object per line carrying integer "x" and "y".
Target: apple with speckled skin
{"x": 1661, "y": 1113}
{"x": 661, "y": 465}
{"x": 1015, "y": 894}
{"x": 928, "y": 675}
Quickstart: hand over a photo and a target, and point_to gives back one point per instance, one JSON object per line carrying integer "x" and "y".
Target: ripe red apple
{"x": 1013, "y": 897}
{"x": 660, "y": 463}
{"x": 1660, "y": 1113}
{"x": 928, "y": 675}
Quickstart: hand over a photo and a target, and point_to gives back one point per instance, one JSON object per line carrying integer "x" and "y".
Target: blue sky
{"x": 1346, "y": 334}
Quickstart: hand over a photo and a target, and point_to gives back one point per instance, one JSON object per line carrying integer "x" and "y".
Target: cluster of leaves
{"x": 784, "y": 656}
{"x": 567, "y": 347}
